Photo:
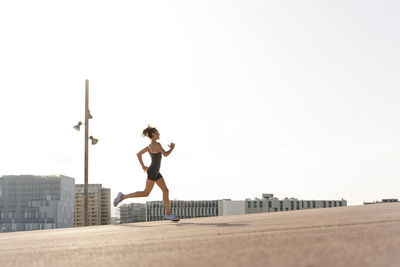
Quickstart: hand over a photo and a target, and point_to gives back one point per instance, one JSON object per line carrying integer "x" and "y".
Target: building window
{"x": 255, "y": 204}
{"x": 249, "y": 204}
{"x": 269, "y": 204}
{"x": 261, "y": 204}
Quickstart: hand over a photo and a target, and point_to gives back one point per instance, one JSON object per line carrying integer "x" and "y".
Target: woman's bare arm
{"x": 139, "y": 155}
{"x": 166, "y": 153}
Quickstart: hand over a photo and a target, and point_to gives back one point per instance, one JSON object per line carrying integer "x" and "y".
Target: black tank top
{"x": 155, "y": 160}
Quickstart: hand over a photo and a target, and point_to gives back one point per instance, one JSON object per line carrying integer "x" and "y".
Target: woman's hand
{"x": 172, "y": 145}
{"x": 144, "y": 168}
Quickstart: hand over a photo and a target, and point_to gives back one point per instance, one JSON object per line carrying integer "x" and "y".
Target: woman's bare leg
{"x": 161, "y": 183}
{"x": 145, "y": 193}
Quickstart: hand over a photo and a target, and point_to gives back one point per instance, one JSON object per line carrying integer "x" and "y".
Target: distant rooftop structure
{"x": 268, "y": 196}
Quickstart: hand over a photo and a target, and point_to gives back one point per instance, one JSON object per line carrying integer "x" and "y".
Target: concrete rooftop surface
{"x": 346, "y": 236}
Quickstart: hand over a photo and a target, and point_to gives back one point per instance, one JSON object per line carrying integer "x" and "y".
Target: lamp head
{"x": 94, "y": 140}
{"x": 78, "y": 126}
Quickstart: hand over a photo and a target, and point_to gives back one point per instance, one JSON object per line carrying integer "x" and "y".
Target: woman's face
{"x": 156, "y": 135}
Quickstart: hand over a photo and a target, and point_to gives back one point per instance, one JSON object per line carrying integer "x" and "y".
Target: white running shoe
{"x": 118, "y": 199}
{"x": 171, "y": 217}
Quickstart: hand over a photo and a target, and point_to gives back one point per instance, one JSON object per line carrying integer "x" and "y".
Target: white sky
{"x": 295, "y": 98}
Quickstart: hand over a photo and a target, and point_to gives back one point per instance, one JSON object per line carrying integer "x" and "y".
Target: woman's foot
{"x": 171, "y": 217}
{"x": 118, "y": 199}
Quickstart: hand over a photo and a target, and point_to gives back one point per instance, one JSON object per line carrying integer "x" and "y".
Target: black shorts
{"x": 153, "y": 175}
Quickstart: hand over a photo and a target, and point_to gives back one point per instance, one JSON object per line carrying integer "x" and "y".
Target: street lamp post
{"x": 86, "y": 142}
{"x": 85, "y": 212}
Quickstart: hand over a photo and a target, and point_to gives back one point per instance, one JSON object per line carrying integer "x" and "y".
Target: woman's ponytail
{"x": 149, "y": 131}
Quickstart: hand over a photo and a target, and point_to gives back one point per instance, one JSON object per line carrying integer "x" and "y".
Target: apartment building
{"x": 99, "y": 205}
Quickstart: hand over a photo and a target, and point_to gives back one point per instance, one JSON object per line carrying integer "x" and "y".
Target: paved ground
{"x": 346, "y": 236}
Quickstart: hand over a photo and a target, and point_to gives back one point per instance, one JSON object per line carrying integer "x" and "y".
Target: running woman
{"x": 153, "y": 172}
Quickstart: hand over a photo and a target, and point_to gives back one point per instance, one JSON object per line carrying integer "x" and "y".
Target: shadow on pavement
{"x": 212, "y": 224}
{"x": 185, "y": 224}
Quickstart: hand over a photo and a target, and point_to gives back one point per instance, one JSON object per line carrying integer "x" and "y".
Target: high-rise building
{"x": 133, "y": 212}
{"x": 268, "y": 203}
{"x": 29, "y": 202}
{"x": 99, "y": 206}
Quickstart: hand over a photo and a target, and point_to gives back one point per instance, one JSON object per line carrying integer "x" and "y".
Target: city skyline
{"x": 297, "y": 99}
